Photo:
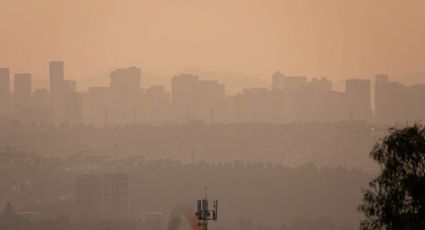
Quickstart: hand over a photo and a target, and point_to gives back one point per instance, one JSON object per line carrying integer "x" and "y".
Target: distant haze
{"x": 333, "y": 38}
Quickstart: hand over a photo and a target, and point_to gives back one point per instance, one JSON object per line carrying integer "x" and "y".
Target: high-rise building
{"x": 69, "y": 86}
{"x": 126, "y": 79}
{"x": 4, "y": 92}
{"x": 416, "y": 110}
{"x": 392, "y": 101}
{"x": 59, "y": 92}
{"x": 56, "y": 76}
{"x": 23, "y": 90}
{"x": 288, "y": 83}
{"x": 358, "y": 99}
{"x": 98, "y": 105}
{"x": 73, "y": 108}
{"x": 335, "y": 107}
{"x": 115, "y": 196}
{"x": 277, "y": 81}
{"x": 209, "y": 97}
{"x": 183, "y": 97}
{"x": 125, "y": 94}
{"x": 102, "y": 197}
{"x": 89, "y": 197}
{"x": 40, "y": 98}
{"x": 381, "y": 107}
{"x": 194, "y": 99}
{"x": 254, "y": 105}
{"x": 39, "y": 110}
{"x": 156, "y": 103}
{"x": 322, "y": 85}
{"x": 294, "y": 83}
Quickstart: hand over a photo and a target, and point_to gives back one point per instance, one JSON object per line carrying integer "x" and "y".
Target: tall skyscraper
{"x": 358, "y": 99}
{"x": 288, "y": 83}
{"x": 416, "y": 99}
{"x": 277, "y": 81}
{"x": 125, "y": 93}
{"x": 4, "y": 92}
{"x": 381, "y": 91}
{"x": 23, "y": 90}
{"x": 57, "y": 91}
{"x": 56, "y": 76}
{"x": 156, "y": 103}
{"x": 183, "y": 96}
{"x": 392, "y": 101}
{"x": 209, "y": 101}
{"x": 126, "y": 79}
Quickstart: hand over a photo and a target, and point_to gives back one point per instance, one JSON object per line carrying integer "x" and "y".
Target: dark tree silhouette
{"x": 396, "y": 198}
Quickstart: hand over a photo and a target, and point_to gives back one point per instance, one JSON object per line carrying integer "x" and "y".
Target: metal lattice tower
{"x": 204, "y": 214}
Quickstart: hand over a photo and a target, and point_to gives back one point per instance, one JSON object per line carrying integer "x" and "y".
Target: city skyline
{"x": 103, "y": 78}
{"x": 191, "y": 98}
{"x": 289, "y": 114}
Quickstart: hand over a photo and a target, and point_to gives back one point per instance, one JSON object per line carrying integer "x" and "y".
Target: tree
{"x": 396, "y": 198}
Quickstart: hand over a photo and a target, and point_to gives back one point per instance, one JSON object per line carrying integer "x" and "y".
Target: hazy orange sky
{"x": 335, "y": 38}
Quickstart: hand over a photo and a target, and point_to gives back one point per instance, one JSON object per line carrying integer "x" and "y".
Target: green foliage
{"x": 396, "y": 198}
